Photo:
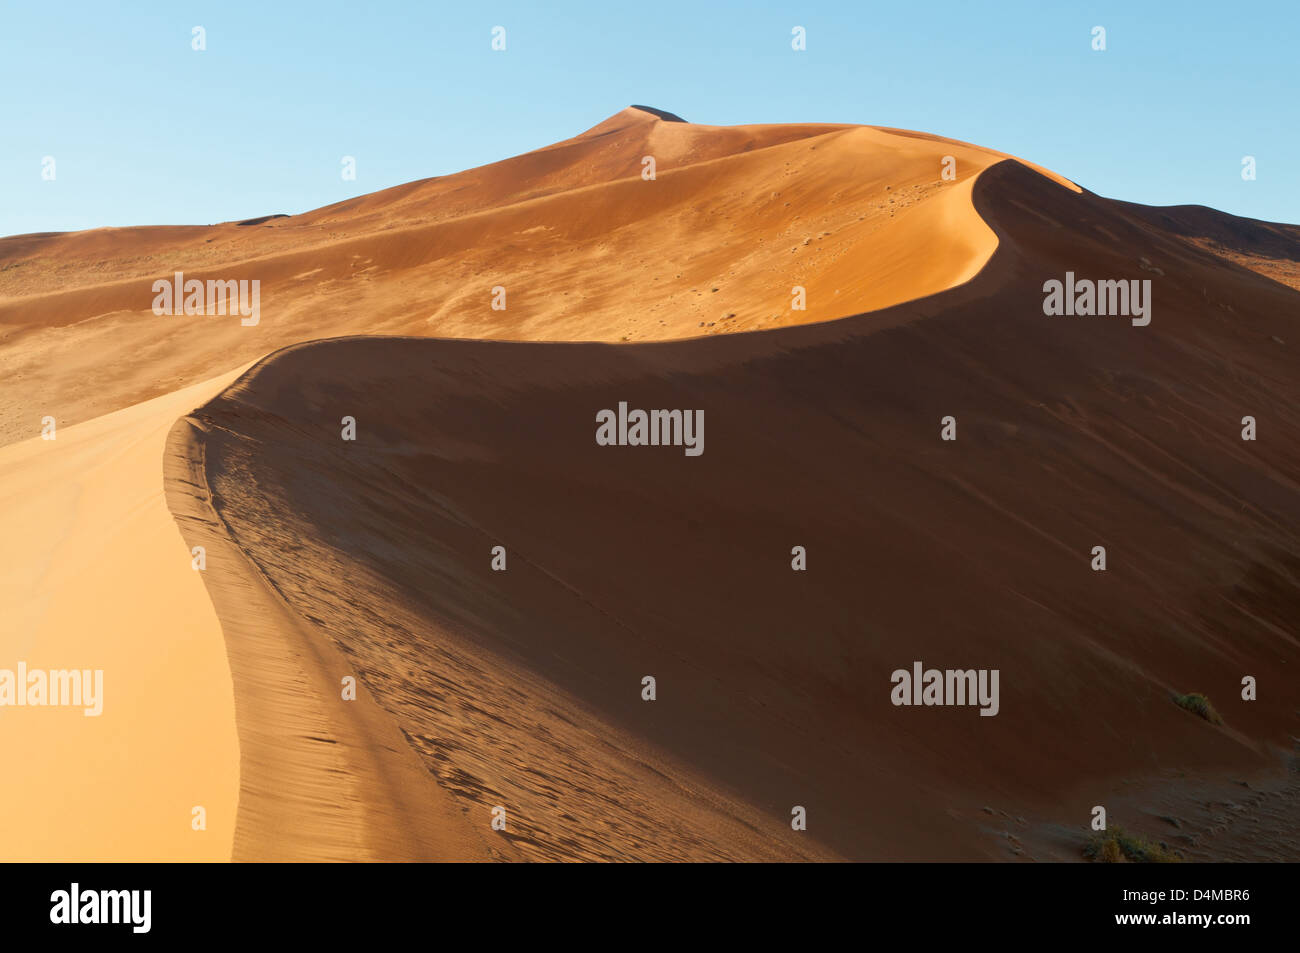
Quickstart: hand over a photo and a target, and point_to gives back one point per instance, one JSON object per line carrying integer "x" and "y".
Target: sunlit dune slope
{"x": 734, "y": 221}
{"x": 95, "y": 576}
{"x": 522, "y": 688}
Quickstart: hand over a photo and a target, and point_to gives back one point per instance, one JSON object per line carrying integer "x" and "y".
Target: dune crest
{"x": 322, "y": 776}
{"x": 522, "y": 690}
{"x": 736, "y": 220}
{"x": 523, "y": 687}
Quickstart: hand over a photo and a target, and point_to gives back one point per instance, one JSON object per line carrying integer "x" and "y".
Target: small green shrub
{"x": 1117, "y": 845}
{"x": 1198, "y": 704}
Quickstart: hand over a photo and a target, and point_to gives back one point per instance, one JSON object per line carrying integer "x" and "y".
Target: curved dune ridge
{"x": 521, "y": 690}
{"x": 585, "y": 248}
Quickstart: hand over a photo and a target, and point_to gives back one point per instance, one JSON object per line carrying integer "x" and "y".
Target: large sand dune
{"x": 585, "y": 248}
{"x": 522, "y": 689}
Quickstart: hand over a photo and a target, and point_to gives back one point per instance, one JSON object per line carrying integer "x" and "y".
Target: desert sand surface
{"x": 94, "y": 574}
{"x": 585, "y": 248}
{"x": 321, "y": 777}
{"x": 773, "y": 686}
{"x": 521, "y": 689}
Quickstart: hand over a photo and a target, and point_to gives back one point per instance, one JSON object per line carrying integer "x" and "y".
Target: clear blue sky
{"x": 144, "y": 130}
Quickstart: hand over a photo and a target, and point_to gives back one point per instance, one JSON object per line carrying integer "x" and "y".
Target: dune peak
{"x": 663, "y": 114}
{"x": 632, "y": 116}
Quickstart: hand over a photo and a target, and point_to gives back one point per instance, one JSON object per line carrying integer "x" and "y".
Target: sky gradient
{"x": 145, "y": 130}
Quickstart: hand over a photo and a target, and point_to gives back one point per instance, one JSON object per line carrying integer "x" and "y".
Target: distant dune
{"x": 522, "y": 689}
{"x": 585, "y": 248}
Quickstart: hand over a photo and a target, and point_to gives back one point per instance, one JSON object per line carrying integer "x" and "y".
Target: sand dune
{"x": 321, "y": 776}
{"x": 585, "y": 249}
{"x": 96, "y": 576}
{"x": 522, "y": 689}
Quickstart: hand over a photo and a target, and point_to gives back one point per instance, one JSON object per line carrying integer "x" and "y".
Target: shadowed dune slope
{"x": 522, "y": 688}
{"x": 585, "y": 248}
{"x": 1270, "y": 248}
{"x": 320, "y": 778}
